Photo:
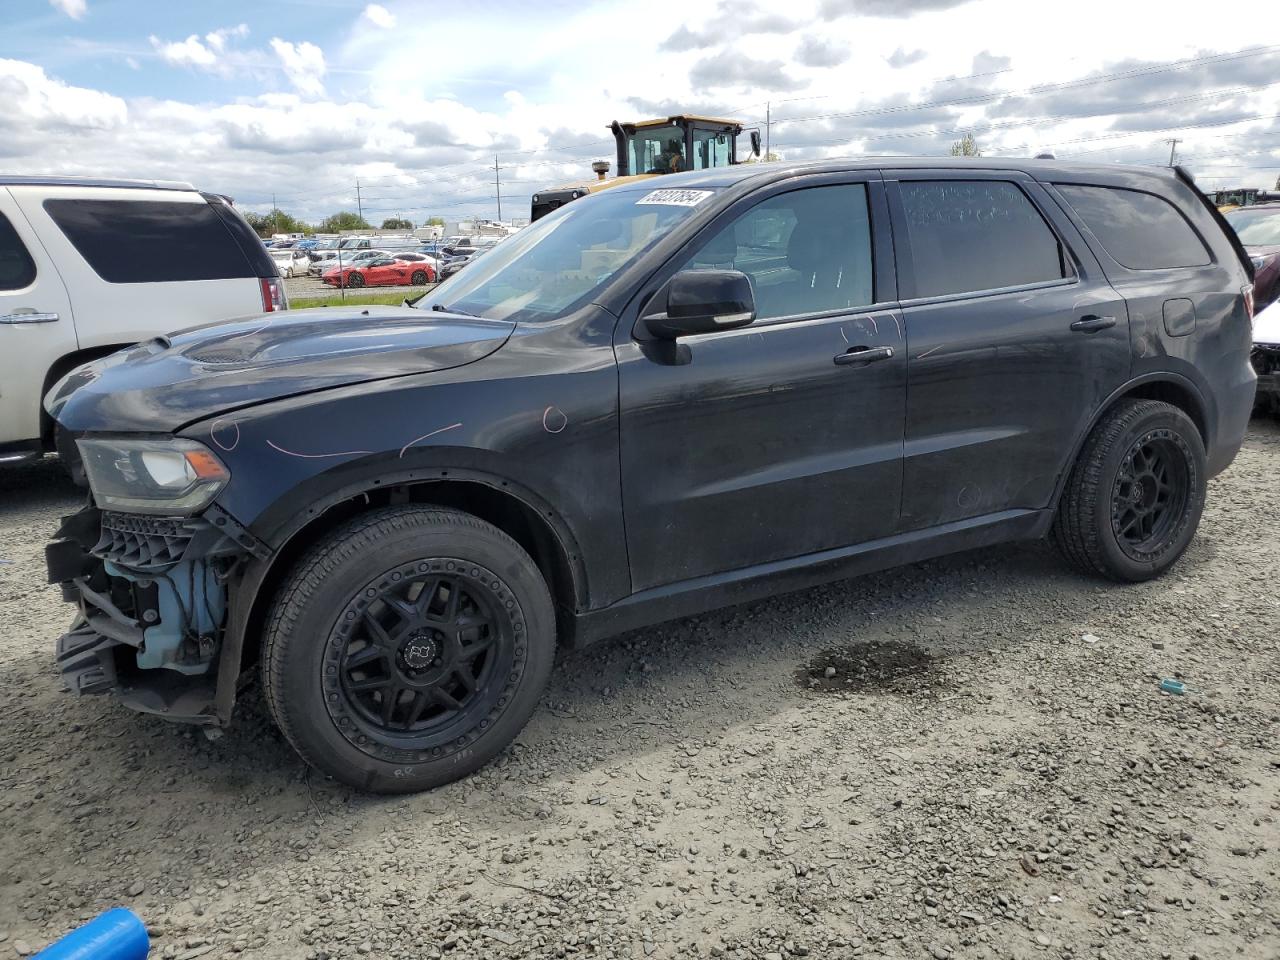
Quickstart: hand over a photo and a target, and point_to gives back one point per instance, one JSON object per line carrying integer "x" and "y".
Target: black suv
{"x": 663, "y": 398}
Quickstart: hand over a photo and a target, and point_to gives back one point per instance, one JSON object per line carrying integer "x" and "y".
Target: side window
{"x": 1138, "y": 230}
{"x": 150, "y": 241}
{"x": 17, "y": 269}
{"x": 972, "y": 235}
{"x": 710, "y": 149}
{"x": 807, "y": 251}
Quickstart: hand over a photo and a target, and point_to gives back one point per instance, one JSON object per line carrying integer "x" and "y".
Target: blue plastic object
{"x": 1173, "y": 686}
{"x": 118, "y": 934}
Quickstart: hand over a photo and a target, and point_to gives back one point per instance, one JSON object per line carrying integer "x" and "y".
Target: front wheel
{"x": 408, "y": 648}
{"x": 355, "y": 280}
{"x": 1134, "y": 497}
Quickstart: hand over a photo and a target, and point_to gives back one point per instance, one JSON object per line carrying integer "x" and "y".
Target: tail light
{"x": 273, "y": 297}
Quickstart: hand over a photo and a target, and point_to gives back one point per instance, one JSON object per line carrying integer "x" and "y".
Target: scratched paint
{"x": 225, "y": 434}
{"x": 554, "y": 420}
{"x": 318, "y": 456}
{"x": 452, "y": 426}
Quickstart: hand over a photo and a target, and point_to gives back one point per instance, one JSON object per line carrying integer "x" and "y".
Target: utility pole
{"x": 497, "y": 184}
{"x": 768, "y": 119}
{"x": 1173, "y": 148}
{"x": 359, "y": 205}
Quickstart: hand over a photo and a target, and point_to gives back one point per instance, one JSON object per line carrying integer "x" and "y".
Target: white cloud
{"x": 184, "y": 53}
{"x": 35, "y": 102}
{"x": 217, "y": 40}
{"x": 75, "y": 9}
{"x": 379, "y": 16}
{"x": 303, "y": 64}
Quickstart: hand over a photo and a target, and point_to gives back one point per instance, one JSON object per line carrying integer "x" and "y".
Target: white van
{"x": 90, "y": 266}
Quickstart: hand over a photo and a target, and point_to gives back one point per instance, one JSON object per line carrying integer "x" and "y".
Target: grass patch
{"x": 353, "y": 300}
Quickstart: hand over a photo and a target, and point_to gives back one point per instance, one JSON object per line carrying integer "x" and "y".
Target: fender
{"x": 1200, "y": 415}
{"x": 282, "y": 521}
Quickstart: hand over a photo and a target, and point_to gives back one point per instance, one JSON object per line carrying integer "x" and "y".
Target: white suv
{"x": 90, "y": 266}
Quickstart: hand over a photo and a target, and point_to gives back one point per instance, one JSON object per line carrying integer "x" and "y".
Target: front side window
{"x": 559, "y": 262}
{"x": 658, "y": 150}
{"x": 1138, "y": 230}
{"x": 807, "y": 251}
{"x": 710, "y": 149}
{"x": 973, "y": 235}
{"x": 150, "y": 241}
{"x": 17, "y": 269}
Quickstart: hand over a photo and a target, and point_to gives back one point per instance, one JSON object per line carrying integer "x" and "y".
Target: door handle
{"x": 31, "y": 317}
{"x": 860, "y": 355}
{"x": 1091, "y": 323}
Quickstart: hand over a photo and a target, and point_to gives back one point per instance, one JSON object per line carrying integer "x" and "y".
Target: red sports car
{"x": 383, "y": 272}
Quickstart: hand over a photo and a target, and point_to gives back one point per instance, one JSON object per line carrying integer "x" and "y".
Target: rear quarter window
{"x": 150, "y": 241}
{"x": 1138, "y": 230}
{"x": 17, "y": 269}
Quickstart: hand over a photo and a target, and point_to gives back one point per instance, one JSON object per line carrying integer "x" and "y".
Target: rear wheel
{"x": 1134, "y": 498}
{"x": 419, "y": 278}
{"x": 408, "y": 648}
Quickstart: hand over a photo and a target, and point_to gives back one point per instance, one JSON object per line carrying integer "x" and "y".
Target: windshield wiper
{"x": 441, "y": 308}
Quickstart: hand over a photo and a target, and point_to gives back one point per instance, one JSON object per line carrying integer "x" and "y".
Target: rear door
{"x": 36, "y": 327}
{"x": 765, "y": 443}
{"x": 1014, "y": 339}
{"x": 142, "y": 262}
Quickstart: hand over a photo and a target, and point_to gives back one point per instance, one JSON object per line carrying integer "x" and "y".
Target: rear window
{"x": 17, "y": 269}
{"x": 1138, "y": 230}
{"x": 150, "y": 241}
{"x": 973, "y": 235}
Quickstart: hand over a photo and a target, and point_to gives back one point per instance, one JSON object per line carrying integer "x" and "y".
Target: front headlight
{"x": 176, "y": 477}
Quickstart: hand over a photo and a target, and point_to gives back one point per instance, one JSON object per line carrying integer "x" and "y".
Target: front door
{"x": 771, "y": 441}
{"x": 1014, "y": 337}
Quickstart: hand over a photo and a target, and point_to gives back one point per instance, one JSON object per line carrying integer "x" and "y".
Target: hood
{"x": 166, "y": 383}
{"x": 1266, "y": 325}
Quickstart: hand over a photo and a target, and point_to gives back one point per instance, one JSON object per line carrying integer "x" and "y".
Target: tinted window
{"x": 150, "y": 241}
{"x": 16, "y": 267}
{"x": 1139, "y": 230}
{"x": 969, "y": 235}
{"x": 807, "y": 251}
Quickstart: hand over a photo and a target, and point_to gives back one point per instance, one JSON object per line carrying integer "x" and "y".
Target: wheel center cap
{"x": 419, "y": 651}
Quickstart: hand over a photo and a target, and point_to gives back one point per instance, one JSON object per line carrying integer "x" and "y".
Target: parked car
{"x": 454, "y": 265}
{"x": 1266, "y": 358}
{"x": 657, "y": 401}
{"x": 90, "y": 266}
{"x": 381, "y": 272}
{"x": 413, "y": 256}
{"x": 343, "y": 258}
{"x": 290, "y": 262}
{"x": 1258, "y": 228}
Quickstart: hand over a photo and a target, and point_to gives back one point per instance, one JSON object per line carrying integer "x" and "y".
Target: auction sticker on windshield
{"x": 675, "y": 198}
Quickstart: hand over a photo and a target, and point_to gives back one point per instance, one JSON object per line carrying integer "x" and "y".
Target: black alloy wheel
{"x": 419, "y": 278}
{"x": 355, "y": 279}
{"x": 1149, "y": 496}
{"x": 421, "y": 652}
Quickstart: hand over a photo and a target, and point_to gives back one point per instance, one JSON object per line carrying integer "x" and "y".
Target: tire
{"x": 355, "y": 279}
{"x": 342, "y": 623}
{"x": 419, "y": 278}
{"x": 1135, "y": 495}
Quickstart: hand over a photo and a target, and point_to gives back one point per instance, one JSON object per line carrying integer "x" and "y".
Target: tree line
{"x": 277, "y": 221}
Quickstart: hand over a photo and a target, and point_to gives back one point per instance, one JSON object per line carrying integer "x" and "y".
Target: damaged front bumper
{"x": 155, "y": 597}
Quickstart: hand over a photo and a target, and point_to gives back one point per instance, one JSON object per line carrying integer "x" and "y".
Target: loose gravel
{"x": 968, "y": 758}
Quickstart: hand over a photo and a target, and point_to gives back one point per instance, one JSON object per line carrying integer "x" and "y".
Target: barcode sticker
{"x": 675, "y": 198}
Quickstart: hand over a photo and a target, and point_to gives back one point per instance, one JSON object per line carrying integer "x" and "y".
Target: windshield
{"x": 657, "y": 150}
{"x": 1256, "y": 228}
{"x": 562, "y": 260}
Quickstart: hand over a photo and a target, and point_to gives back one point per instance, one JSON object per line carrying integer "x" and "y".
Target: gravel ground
{"x": 990, "y": 771}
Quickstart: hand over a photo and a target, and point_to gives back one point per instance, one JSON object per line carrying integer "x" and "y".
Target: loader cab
{"x": 651, "y": 148}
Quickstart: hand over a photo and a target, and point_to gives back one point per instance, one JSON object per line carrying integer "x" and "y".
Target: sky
{"x": 301, "y": 99}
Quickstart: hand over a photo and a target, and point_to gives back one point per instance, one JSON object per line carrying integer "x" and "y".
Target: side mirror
{"x": 704, "y": 301}
{"x": 755, "y": 143}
